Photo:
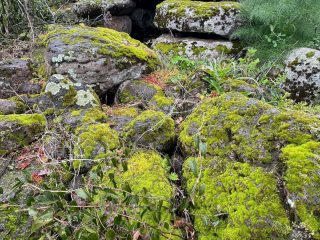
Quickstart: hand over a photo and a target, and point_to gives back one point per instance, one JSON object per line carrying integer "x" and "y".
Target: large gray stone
{"x": 95, "y": 7}
{"x": 197, "y": 16}
{"x": 193, "y": 48}
{"x": 100, "y": 57}
{"x": 303, "y": 75}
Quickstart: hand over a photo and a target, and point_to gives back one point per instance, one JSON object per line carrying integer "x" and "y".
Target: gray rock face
{"x": 303, "y": 75}
{"x": 15, "y": 78}
{"x": 193, "y": 48}
{"x": 68, "y": 94}
{"x": 196, "y": 16}
{"x": 96, "y": 7}
{"x": 135, "y": 91}
{"x": 10, "y": 107}
{"x": 119, "y": 23}
{"x": 100, "y": 57}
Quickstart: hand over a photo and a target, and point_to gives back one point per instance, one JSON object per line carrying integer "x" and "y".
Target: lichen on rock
{"x": 100, "y": 57}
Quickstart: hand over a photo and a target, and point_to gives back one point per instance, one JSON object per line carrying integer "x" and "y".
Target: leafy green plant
{"x": 276, "y": 26}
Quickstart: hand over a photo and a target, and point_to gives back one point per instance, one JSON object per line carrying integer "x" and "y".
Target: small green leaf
{"x": 173, "y": 176}
{"x": 193, "y": 167}
{"x": 81, "y": 193}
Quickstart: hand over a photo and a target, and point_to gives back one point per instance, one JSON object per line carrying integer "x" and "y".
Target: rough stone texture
{"x": 120, "y": 116}
{"x": 195, "y": 16}
{"x": 65, "y": 93}
{"x": 19, "y": 130}
{"x": 15, "y": 78}
{"x": 193, "y": 48}
{"x": 100, "y": 57}
{"x": 303, "y": 75}
{"x": 119, "y": 23}
{"x": 131, "y": 91}
{"x": 8, "y": 106}
{"x": 96, "y": 7}
{"x": 151, "y": 129}
{"x": 247, "y": 139}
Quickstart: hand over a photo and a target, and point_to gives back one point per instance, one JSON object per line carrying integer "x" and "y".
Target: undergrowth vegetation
{"x": 276, "y": 26}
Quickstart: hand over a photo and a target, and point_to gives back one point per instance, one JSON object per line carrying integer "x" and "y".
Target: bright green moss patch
{"x": 234, "y": 201}
{"x": 24, "y": 119}
{"x": 95, "y": 141}
{"x": 302, "y": 180}
{"x": 124, "y": 111}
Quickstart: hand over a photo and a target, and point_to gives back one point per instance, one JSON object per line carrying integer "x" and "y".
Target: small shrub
{"x": 276, "y": 26}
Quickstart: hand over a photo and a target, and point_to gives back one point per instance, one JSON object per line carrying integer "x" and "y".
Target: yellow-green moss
{"x": 95, "y": 142}
{"x": 148, "y": 177}
{"x": 234, "y": 126}
{"x": 124, "y": 111}
{"x": 24, "y": 119}
{"x": 302, "y": 180}
{"x": 234, "y": 201}
{"x": 151, "y": 128}
{"x": 162, "y": 101}
{"x": 175, "y": 9}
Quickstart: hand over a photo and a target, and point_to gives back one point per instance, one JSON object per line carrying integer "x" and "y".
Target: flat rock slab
{"x": 95, "y": 7}
{"x": 100, "y": 57}
{"x": 193, "y": 48}
{"x": 196, "y": 16}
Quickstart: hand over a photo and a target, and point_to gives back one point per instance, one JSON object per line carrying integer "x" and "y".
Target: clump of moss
{"x": 95, "y": 142}
{"x": 236, "y": 127}
{"x": 151, "y": 128}
{"x": 302, "y": 180}
{"x": 234, "y": 200}
{"x": 147, "y": 176}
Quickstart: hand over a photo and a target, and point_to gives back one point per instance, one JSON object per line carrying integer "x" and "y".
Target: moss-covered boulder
{"x": 19, "y": 130}
{"x": 100, "y": 57}
{"x": 198, "y": 16}
{"x": 192, "y": 48}
{"x": 236, "y": 127}
{"x": 134, "y": 91}
{"x": 247, "y": 143}
{"x": 86, "y": 8}
{"x": 150, "y": 191}
{"x": 150, "y": 95}
{"x": 151, "y": 129}
{"x": 302, "y": 181}
{"x": 234, "y": 201}
{"x": 65, "y": 93}
{"x": 119, "y": 116}
{"x": 81, "y": 117}
{"x": 94, "y": 142}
